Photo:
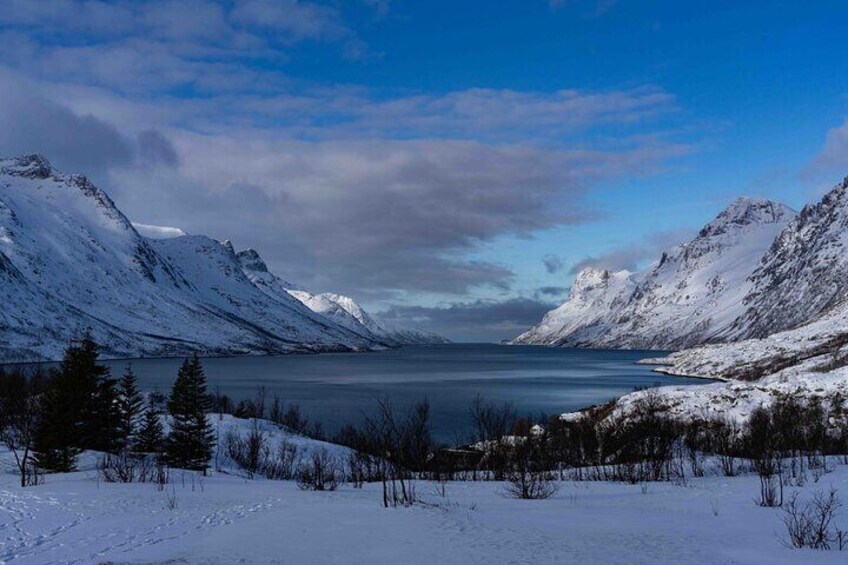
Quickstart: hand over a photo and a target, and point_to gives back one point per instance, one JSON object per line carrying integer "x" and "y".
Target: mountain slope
{"x": 347, "y": 312}
{"x": 341, "y": 309}
{"x": 70, "y": 261}
{"x": 797, "y": 306}
{"x": 594, "y": 294}
{"x": 690, "y": 296}
{"x": 804, "y": 273}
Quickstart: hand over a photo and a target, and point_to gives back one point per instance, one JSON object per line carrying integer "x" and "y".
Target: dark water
{"x": 336, "y": 388}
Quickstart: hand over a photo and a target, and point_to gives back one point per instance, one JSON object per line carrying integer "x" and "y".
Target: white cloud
{"x": 158, "y": 232}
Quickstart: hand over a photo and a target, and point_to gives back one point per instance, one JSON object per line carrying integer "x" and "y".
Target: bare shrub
{"x": 249, "y": 451}
{"x": 392, "y": 447}
{"x": 492, "y": 424}
{"x": 321, "y": 472}
{"x": 126, "y": 467}
{"x": 640, "y": 446}
{"x": 528, "y": 472}
{"x": 20, "y": 418}
{"x": 810, "y": 525}
{"x": 530, "y": 485}
{"x": 294, "y": 420}
{"x": 171, "y": 498}
{"x": 282, "y": 465}
{"x": 761, "y": 443}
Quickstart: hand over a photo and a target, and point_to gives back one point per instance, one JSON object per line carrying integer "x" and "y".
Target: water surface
{"x": 336, "y": 388}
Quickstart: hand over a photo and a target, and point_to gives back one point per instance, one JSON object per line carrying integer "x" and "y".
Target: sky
{"x": 450, "y": 165}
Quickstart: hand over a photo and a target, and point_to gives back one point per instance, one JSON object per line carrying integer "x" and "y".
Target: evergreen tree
{"x": 102, "y": 429}
{"x": 189, "y": 445}
{"x": 130, "y": 405}
{"x": 80, "y": 409}
{"x": 150, "y": 438}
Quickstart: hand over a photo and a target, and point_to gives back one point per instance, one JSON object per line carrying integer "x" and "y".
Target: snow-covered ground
{"x": 226, "y": 518}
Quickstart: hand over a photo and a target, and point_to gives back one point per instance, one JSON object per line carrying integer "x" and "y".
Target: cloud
{"x": 383, "y": 214}
{"x": 74, "y": 142}
{"x": 33, "y": 124}
{"x": 478, "y": 320}
{"x": 295, "y": 20}
{"x": 631, "y": 257}
{"x": 599, "y": 7}
{"x": 488, "y": 110}
{"x": 155, "y": 149}
{"x": 379, "y": 215}
{"x": 164, "y": 44}
{"x": 190, "y": 123}
{"x": 158, "y": 232}
{"x": 553, "y": 264}
{"x": 833, "y": 155}
{"x": 551, "y": 290}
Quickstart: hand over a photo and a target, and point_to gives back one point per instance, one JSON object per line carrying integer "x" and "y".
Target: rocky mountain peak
{"x": 33, "y": 166}
{"x": 250, "y": 260}
{"x": 746, "y": 211}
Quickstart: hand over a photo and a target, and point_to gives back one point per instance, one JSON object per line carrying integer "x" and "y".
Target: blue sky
{"x": 450, "y": 161}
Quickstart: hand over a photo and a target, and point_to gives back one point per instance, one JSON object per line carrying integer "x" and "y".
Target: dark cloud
{"x": 155, "y": 149}
{"x": 388, "y": 215}
{"x": 631, "y": 257}
{"x": 479, "y": 320}
{"x": 553, "y": 264}
{"x": 33, "y": 124}
{"x": 552, "y": 290}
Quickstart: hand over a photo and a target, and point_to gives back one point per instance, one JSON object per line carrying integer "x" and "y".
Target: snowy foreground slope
{"x": 70, "y": 261}
{"x": 226, "y": 518}
{"x": 691, "y": 295}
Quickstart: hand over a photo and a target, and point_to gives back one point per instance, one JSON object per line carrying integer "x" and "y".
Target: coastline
{"x": 669, "y": 370}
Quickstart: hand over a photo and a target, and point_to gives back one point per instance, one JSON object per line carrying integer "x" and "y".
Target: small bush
{"x": 321, "y": 472}
{"x": 530, "y": 485}
{"x": 282, "y": 465}
{"x": 811, "y": 525}
{"x": 126, "y": 467}
{"x": 250, "y": 451}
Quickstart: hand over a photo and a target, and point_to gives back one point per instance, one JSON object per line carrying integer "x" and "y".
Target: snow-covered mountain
{"x": 804, "y": 274}
{"x": 341, "y": 309}
{"x": 690, "y": 296}
{"x": 796, "y": 311}
{"x": 346, "y": 312}
{"x": 71, "y": 261}
{"x": 594, "y": 294}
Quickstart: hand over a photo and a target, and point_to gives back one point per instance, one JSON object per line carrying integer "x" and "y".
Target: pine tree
{"x": 79, "y": 409}
{"x": 130, "y": 405}
{"x": 189, "y": 444}
{"x": 150, "y": 438}
{"x": 102, "y": 419}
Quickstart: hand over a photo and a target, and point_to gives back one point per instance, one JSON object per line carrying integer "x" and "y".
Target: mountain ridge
{"x": 689, "y": 296}
{"x": 71, "y": 261}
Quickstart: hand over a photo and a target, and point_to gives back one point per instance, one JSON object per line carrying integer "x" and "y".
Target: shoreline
{"x": 672, "y": 373}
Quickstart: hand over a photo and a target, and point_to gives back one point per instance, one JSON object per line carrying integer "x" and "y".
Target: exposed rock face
{"x": 803, "y": 274}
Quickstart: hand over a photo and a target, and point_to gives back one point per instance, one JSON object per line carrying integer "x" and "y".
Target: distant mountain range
{"x": 70, "y": 261}
{"x": 757, "y": 269}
